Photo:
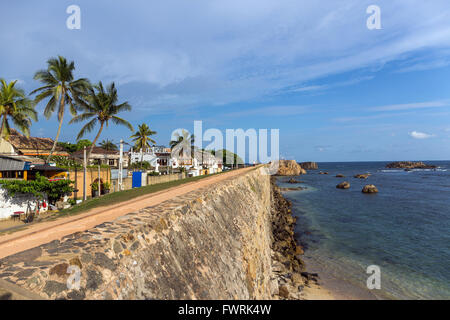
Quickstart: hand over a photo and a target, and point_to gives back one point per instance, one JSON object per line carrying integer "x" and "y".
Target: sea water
{"x": 404, "y": 229}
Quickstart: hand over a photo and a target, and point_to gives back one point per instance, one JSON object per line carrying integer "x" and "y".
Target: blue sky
{"x": 336, "y": 90}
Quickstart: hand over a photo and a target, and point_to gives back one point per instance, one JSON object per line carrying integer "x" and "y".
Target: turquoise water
{"x": 404, "y": 229}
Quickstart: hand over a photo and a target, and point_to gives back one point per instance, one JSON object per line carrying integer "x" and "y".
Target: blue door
{"x": 137, "y": 179}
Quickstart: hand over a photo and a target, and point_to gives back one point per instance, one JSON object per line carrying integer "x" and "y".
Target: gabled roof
{"x": 21, "y": 142}
{"x": 96, "y": 150}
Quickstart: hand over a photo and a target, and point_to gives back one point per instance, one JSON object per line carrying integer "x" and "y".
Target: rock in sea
{"x": 290, "y": 168}
{"x": 309, "y": 165}
{"x": 370, "y": 188}
{"x": 343, "y": 185}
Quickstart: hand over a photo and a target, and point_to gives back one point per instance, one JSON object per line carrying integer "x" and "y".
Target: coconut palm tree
{"x": 108, "y": 145}
{"x": 60, "y": 88}
{"x": 100, "y": 106}
{"x": 183, "y": 144}
{"x": 142, "y": 138}
{"x": 15, "y": 105}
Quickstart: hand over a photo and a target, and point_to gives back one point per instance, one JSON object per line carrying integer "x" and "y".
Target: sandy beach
{"x": 330, "y": 287}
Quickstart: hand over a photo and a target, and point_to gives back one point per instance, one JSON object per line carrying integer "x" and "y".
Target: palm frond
{"x": 88, "y": 127}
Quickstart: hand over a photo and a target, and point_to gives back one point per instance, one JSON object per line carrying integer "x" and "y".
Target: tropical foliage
{"x": 142, "y": 138}
{"x": 108, "y": 145}
{"x": 182, "y": 145}
{"x": 72, "y": 147}
{"x": 39, "y": 187}
{"x": 228, "y": 157}
{"x": 60, "y": 88}
{"x": 15, "y": 106}
{"x": 99, "y": 107}
{"x": 140, "y": 165}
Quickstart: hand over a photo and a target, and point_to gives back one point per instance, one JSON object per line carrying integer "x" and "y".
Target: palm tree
{"x": 183, "y": 145}
{"x": 108, "y": 145}
{"x": 15, "y": 105}
{"x": 100, "y": 106}
{"x": 61, "y": 89}
{"x": 142, "y": 138}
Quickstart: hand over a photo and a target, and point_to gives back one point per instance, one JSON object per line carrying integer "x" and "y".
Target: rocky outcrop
{"x": 287, "y": 264}
{"x": 409, "y": 165}
{"x": 289, "y": 168}
{"x": 293, "y": 181}
{"x": 343, "y": 185}
{"x": 293, "y": 189}
{"x": 362, "y": 176}
{"x": 340, "y": 175}
{"x": 321, "y": 172}
{"x": 309, "y": 165}
{"x": 370, "y": 188}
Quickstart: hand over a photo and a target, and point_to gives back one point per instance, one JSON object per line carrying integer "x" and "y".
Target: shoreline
{"x": 309, "y": 281}
{"x": 331, "y": 287}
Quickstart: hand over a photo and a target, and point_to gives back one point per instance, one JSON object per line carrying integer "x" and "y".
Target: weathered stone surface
{"x": 25, "y": 256}
{"x": 76, "y": 262}
{"x": 283, "y": 292}
{"x": 117, "y": 246}
{"x": 60, "y": 270}
{"x": 102, "y": 260}
{"x": 370, "y": 188}
{"x": 134, "y": 246}
{"x": 94, "y": 279}
{"x": 76, "y": 295}
{"x": 215, "y": 243}
{"x": 343, "y": 185}
{"x": 54, "y": 287}
{"x": 309, "y": 165}
{"x": 289, "y": 168}
{"x": 25, "y": 273}
{"x": 86, "y": 257}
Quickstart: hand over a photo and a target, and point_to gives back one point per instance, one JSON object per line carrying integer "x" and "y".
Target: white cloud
{"x": 420, "y": 135}
{"x": 410, "y": 106}
{"x": 332, "y": 85}
{"x": 217, "y": 52}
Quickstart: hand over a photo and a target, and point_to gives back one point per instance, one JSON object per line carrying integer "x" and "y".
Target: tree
{"x": 83, "y": 143}
{"x": 15, "y": 106}
{"x": 142, "y": 138}
{"x": 183, "y": 145}
{"x": 67, "y": 146}
{"x": 228, "y": 157}
{"x": 100, "y": 106}
{"x": 72, "y": 147}
{"x": 61, "y": 89}
{"x": 108, "y": 145}
{"x": 39, "y": 187}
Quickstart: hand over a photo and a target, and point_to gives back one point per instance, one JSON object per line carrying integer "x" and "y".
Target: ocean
{"x": 404, "y": 229}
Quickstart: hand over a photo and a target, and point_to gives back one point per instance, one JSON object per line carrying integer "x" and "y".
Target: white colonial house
{"x": 157, "y": 156}
{"x": 161, "y": 156}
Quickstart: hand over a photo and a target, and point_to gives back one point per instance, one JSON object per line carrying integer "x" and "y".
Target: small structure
{"x": 100, "y": 156}
{"x": 13, "y": 168}
{"x": 52, "y": 173}
{"x": 18, "y": 144}
{"x": 202, "y": 162}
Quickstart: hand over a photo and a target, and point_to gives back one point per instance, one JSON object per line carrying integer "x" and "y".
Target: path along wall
{"x": 213, "y": 243}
